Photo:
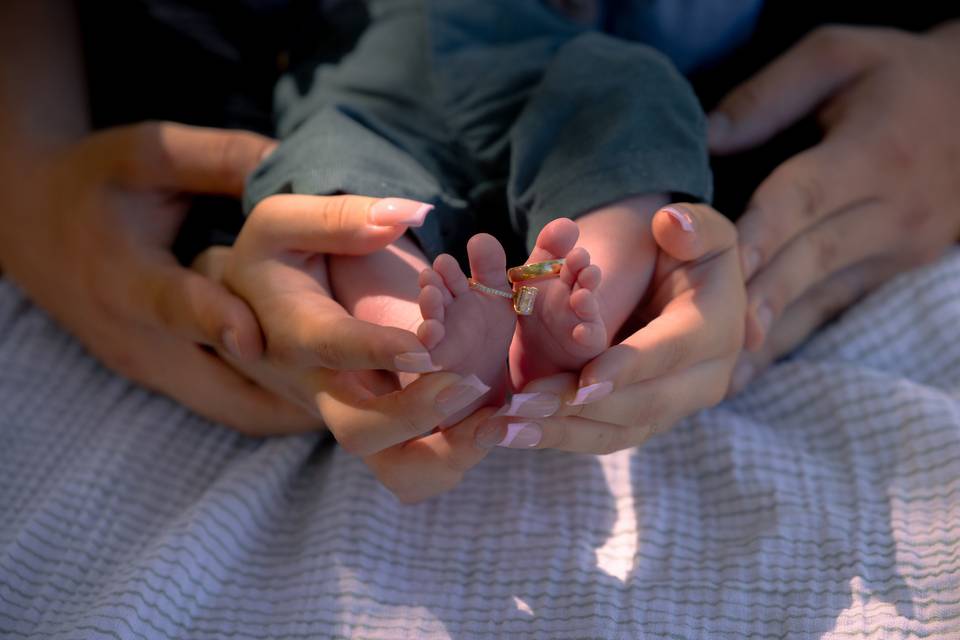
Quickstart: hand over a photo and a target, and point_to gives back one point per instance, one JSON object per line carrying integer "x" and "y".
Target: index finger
{"x": 178, "y": 157}
{"x": 344, "y": 225}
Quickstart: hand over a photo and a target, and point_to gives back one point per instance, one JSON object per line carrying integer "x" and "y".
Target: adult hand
{"x": 678, "y": 362}
{"x": 337, "y": 367}
{"x": 87, "y": 235}
{"x": 877, "y": 196}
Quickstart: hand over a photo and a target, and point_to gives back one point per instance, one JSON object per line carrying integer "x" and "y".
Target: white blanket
{"x": 824, "y": 502}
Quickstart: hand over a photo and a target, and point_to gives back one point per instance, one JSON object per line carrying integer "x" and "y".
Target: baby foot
{"x": 468, "y": 331}
{"x": 565, "y": 330}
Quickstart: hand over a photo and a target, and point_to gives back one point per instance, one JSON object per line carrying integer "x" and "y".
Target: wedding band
{"x": 535, "y": 271}
{"x": 523, "y": 298}
{"x": 485, "y": 289}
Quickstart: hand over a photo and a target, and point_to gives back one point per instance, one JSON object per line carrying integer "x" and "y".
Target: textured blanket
{"x": 824, "y": 502}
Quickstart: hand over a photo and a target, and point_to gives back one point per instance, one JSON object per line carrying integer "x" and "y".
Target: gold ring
{"x": 485, "y": 289}
{"x": 535, "y": 271}
{"x": 523, "y": 297}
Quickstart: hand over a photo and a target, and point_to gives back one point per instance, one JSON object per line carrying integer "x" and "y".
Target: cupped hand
{"x": 87, "y": 234}
{"x": 338, "y": 368}
{"x": 677, "y": 362}
{"x": 878, "y": 195}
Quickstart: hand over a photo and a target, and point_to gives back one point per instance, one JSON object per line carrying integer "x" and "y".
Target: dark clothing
{"x": 215, "y": 64}
{"x": 451, "y": 103}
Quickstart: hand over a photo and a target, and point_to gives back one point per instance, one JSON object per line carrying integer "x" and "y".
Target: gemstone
{"x": 523, "y": 300}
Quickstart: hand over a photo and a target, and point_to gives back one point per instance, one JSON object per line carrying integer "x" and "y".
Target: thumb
{"x": 177, "y": 157}
{"x": 689, "y": 232}
{"x": 345, "y": 224}
{"x": 791, "y": 87}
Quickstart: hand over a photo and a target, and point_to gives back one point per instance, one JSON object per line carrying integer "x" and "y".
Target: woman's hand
{"x": 334, "y": 366}
{"x": 678, "y": 362}
{"x": 87, "y": 233}
{"x": 879, "y": 195}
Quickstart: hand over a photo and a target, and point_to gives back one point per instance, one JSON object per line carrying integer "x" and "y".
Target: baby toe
{"x": 431, "y": 303}
{"x": 488, "y": 262}
{"x": 584, "y": 304}
{"x": 592, "y": 335}
{"x": 589, "y": 277}
{"x": 431, "y": 332}
{"x": 449, "y": 270}
{"x": 573, "y": 264}
{"x": 555, "y": 240}
{"x": 430, "y": 277}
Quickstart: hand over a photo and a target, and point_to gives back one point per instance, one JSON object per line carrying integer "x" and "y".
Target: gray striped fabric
{"x": 822, "y": 503}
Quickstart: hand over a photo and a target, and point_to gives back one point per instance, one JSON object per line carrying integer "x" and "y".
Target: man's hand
{"x": 87, "y": 233}
{"x": 879, "y": 195}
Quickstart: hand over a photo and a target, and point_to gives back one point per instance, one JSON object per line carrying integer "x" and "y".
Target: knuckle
{"x": 809, "y": 195}
{"x": 329, "y": 354}
{"x": 337, "y": 214}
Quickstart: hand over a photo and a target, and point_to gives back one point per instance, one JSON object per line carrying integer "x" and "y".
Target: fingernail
{"x": 415, "y": 362}
{"x": 592, "y": 393}
{"x": 531, "y": 405}
{"x": 742, "y": 374}
{"x": 389, "y": 212}
{"x": 266, "y": 153}
{"x": 461, "y": 395}
{"x": 764, "y": 315}
{"x": 231, "y": 342}
{"x": 522, "y": 435}
{"x": 684, "y": 219}
{"x": 749, "y": 261}
{"x": 489, "y": 435}
{"x": 718, "y": 126}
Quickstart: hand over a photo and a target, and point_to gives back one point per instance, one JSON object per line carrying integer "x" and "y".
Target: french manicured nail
{"x": 683, "y": 218}
{"x": 231, "y": 343}
{"x": 764, "y": 317}
{"x": 742, "y": 374}
{"x": 389, "y": 212}
{"x": 592, "y": 393}
{"x": 522, "y": 435}
{"x": 415, "y": 362}
{"x": 531, "y": 405}
{"x": 749, "y": 261}
{"x": 718, "y": 126}
{"x": 461, "y": 395}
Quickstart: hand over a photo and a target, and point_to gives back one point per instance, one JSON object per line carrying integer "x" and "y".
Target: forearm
{"x": 42, "y": 86}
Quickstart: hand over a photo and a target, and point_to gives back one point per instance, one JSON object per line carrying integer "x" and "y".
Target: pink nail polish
{"x": 683, "y": 218}
{"x": 231, "y": 343}
{"x": 764, "y": 317}
{"x": 522, "y": 435}
{"x": 530, "y": 405}
{"x": 592, "y": 393}
{"x": 415, "y": 362}
{"x": 489, "y": 435}
{"x": 750, "y": 260}
{"x": 390, "y": 212}
{"x": 460, "y": 395}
